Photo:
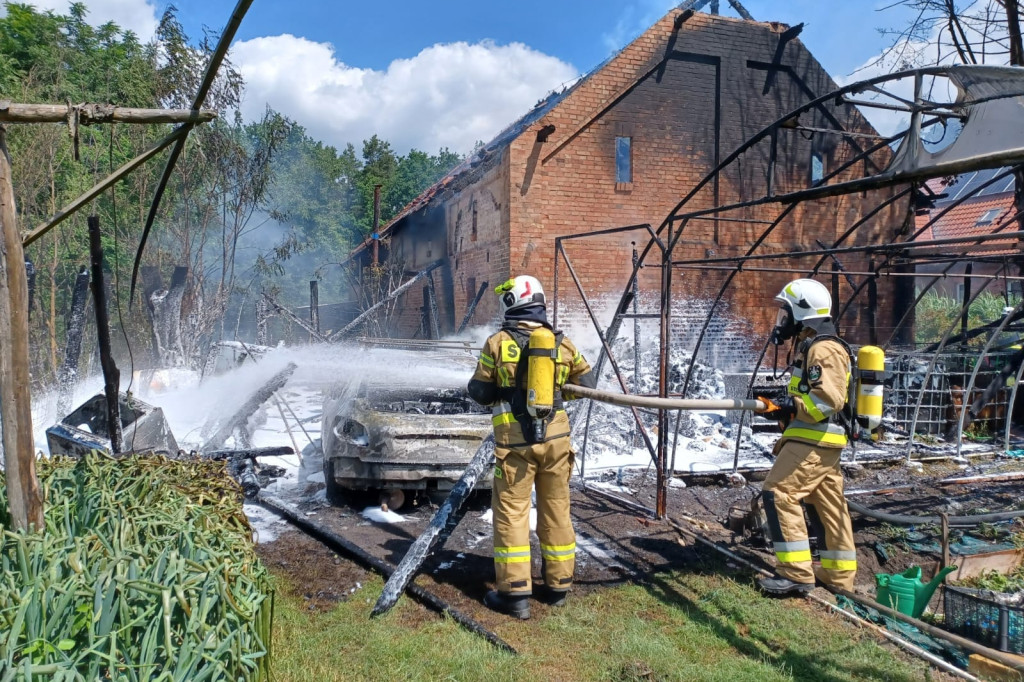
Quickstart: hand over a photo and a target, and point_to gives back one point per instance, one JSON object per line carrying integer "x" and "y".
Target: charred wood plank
{"x": 314, "y": 306}
{"x": 445, "y": 519}
{"x": 271, "y": 451}
{"x": 111, "y": 375}
{"x": 360, "y": 556}
{"x": 472, "y": 307}
{"x": 398, "y": 291}
{"x": 240, "y": 417}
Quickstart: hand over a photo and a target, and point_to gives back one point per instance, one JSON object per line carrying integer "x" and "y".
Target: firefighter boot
{"x": 783, "y": 587}
{"x": 515, "y": 605}
{"x": 549, "y": 596}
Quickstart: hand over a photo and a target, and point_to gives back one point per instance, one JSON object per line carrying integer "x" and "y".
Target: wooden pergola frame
{"x": 23, "y": 492}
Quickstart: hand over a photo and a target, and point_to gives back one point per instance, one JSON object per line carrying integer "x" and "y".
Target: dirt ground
{"x": 615, "y": 543}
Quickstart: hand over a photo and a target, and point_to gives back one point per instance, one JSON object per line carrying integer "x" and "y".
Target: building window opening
{"x": 817, "y": 168}
{"x": 623, "y": 159}
{"x": 472, "y": 234}
{"x": 989, "y": 217}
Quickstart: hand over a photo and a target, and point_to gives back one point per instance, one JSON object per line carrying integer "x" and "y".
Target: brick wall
{"x": 682, "y": 114}
{"x": 685, "y": 100}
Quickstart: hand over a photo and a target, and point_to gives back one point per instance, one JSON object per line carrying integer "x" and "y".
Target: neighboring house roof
{"x": 963, "y": 185}
{"x": 975, "y": 217}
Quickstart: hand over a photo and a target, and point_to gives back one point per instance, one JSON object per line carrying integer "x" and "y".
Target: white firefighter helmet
{"x": 806, "y": 299}
{"x": 520, "y": 292}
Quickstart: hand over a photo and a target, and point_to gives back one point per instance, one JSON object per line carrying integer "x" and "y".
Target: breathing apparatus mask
{"x": 785, "y": 326}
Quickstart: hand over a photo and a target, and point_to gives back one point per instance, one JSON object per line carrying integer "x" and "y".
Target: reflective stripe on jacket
{"x": 820, "y": 388}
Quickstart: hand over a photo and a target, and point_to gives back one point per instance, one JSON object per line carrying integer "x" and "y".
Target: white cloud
{"x": 449, "y": 95}
{"x": 139, "y": 16}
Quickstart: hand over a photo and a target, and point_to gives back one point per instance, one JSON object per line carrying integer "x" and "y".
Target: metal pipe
{"x": 965, "y": 400}
{"x": 868, "y": 248}
{"x": 732, "y": 268}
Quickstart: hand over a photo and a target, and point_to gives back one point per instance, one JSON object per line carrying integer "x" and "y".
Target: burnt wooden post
{"x": 111, "y": 375}
{"x": 164, "y": 307}
{"x": 376, "y": 224}
{"x": 73, "y": 350}
{"x": 261, "y": 322}
{"x": 434, "y": 328}
{"x": 24, "y": 498}
{"x": 314, "y": 306}
{"x": 472, "y": 307}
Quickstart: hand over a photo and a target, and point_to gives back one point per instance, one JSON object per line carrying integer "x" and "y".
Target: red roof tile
{"x": 963, "y": 221}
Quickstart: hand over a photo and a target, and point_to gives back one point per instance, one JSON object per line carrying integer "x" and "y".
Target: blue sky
{"x": 842, "y": 34}
{"x": 450, "y": 73}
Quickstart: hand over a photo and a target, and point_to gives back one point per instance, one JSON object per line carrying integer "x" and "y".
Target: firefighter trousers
{"x": 548, "y": 466}
{"x": 809, "y": 474}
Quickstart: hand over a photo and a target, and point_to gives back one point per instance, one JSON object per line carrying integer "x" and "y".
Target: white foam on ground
{"x": 380, "y": 516}
{"x": 488, "y": 517}
{"x": 266, "y": 525}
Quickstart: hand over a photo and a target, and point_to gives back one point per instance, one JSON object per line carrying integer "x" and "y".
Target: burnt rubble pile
{"x": 705, "y": 441}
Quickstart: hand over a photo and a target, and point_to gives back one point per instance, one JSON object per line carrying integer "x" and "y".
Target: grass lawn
{"x": 693, "y": 624}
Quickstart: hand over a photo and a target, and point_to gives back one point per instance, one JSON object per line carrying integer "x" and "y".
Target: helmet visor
{"x": 783, "y": 318}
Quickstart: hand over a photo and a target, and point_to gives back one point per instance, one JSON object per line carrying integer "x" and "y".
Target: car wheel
{"x": 336, "y": 495}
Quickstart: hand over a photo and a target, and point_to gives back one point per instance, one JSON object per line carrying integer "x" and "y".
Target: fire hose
{"x": 954, "y": 521}
{"x": 663, "y": 403}
{"x": 759, "y": 406}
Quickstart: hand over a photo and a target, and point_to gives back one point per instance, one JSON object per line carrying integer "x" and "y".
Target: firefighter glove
{"x": 782, "y": 410}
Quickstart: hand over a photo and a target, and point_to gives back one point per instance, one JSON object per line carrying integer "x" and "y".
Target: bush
{"x": 935, "y": 314}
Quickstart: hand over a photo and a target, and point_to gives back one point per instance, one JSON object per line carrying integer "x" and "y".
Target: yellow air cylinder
{"x": 870, "y": 377}
{"x": 540, "y": 376}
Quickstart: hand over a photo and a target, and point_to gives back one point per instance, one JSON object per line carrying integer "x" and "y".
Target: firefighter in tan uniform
{"x": 529, "y": 451}
{"x": 806, "y": 469}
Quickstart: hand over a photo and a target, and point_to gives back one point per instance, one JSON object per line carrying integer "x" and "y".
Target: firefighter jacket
{"x": 501, "y": 361}
{"x": 819, "y": 386}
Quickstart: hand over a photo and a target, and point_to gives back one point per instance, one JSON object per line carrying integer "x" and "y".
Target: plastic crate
{"x": 995, "y": 619}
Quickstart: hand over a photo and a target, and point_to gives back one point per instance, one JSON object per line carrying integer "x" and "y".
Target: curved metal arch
{"x": 760, "y": 240}
{"x": 921, "y": 231}
{"x": 935, "y": 356}
{"x": 1011, "y": 401}
{"x": 974, "y": 374}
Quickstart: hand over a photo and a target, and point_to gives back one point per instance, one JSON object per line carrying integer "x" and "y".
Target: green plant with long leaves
{"x": 146, "y": 570}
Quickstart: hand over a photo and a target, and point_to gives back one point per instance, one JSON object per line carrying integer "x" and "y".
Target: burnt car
{"x": 403, "y": 430}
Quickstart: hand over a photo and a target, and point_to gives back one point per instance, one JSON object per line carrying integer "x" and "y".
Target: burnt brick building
{"x": 621, "y": 147}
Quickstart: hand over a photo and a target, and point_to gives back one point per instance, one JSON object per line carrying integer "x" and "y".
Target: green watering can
{"x": 905, "y": 592}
